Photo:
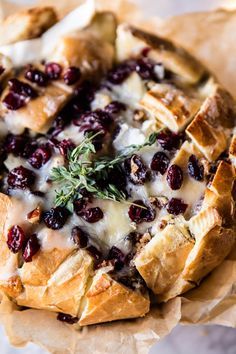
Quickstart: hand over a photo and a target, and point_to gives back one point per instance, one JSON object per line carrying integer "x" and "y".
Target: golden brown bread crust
{"x": 177, "y": 258}
{"x": 172, "y": 107}
{"x": 107, "y": 300}
{"x": 174, "y": 58}
{"x": 82, "y": 49}
{"x": 60, "y": 290}
{"x": 210, "y": 129}
{"x": 219, "y": 193}
{"x": 39, "y": 113}
{"x": 163, "y": 258}
{"x": 213, "y": 230}
{"x": 27, "y": 24}
{"x": 85, "y": 50}
{"x": 213, "y": 244}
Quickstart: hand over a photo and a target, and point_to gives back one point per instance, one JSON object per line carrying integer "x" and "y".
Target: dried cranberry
{"x": 13, "y": 101}
{"x": 168, "y": 140}
{"x": 97, "y": 121}
{"x": 65, "y": 146}
{"x": 118, "y": 256}
{"x": 55, "y": 218}
{"x": 176, "y": 206}
{"x": 119, "y": 74}
{"x": 31, "y": 248}
{"x": 40, "y": 157}
{"x": 36, "y": 76}
{"x": 135, "y": 169}
{"x": 174, "y": 177}
{"x": 160, "y": 162}
{"x": 145, "y": 68}
{"x": 79, "y": 206}
{"x": 115, "y": 107}
{"x": 53, "y": 70}
{"x": 79, "y": 237}
{"x": 15, "y": 144}
{"x": 29, "y": 149}
{"x": 18, "y": 94}
{"x": 20, "y": 178}
{"x": 57, "y": 126}
{"x": 21, "y": 88}
{"x": 15, "y": 238}
{"x": 95, "y": 253}
{"x": 63, "y": 317}
{"x": 139, "y": 212}
{"x": 92, "y": 215}
{"x": 84, "y": 94}
{"x": 72, "y": 75}
{"x": 145, "y": 51}
{"x": 195, "y": 169}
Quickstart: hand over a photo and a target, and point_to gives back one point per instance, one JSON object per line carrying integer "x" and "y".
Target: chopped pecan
{"x": 34, "y": 215}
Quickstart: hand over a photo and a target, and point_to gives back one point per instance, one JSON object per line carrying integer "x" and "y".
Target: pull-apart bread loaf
{"x": 118, "y": 160}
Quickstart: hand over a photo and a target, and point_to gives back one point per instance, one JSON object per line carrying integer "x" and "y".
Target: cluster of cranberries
{"x": 64, "y": 146}
{"x": 36, "y": 154}
{"x": 94, "y": 121}
{"x": 20, "y": 92}
{"x": 53, "y": 71}
{"x": 26, "y": 147}
{"x": 17, "y": 241}
{"x": 55, "y": 218}
{"x": 143, "y": 66}
{"x": 20, "y": 178}
{"x": 80, "y": 103}
{"x": 20, "y": 145}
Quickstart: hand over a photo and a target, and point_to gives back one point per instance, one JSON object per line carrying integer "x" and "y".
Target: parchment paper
{"x": 214, "y": 301}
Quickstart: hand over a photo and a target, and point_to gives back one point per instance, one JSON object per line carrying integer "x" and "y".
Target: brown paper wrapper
{"x": 210, "y": 37}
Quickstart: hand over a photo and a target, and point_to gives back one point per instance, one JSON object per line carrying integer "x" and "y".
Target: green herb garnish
{"x": 83, "y": 173}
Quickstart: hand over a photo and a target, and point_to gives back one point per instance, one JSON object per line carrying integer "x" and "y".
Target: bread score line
{"x": 186, "y": 250}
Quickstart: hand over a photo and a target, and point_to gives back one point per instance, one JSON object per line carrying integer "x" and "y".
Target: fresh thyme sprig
{"x": 83, "y": 173}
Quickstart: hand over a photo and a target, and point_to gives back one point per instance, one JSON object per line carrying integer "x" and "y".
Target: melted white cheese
{"x": 128, "y": 136}
{"x": 116, "y": 224}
